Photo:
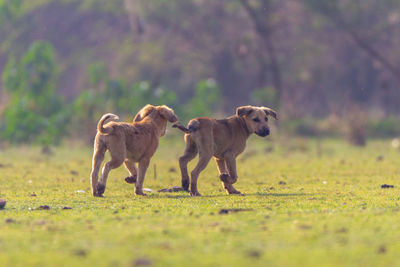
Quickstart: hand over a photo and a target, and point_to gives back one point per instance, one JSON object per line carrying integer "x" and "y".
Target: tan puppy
{"x": 128, "y": 143}
{"x": 224, "y": 139}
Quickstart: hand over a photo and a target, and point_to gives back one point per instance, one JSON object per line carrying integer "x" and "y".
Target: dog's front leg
{"x": 223, "y": 172}
{"x": 131, "y": 167}
{"x": 230, "y": 161}
{"x": 204, "y": 158}
{"x": 143, "y": 164}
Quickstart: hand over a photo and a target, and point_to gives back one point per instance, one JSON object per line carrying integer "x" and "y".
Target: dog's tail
{"x": 106, "y": 118}
{"x": 192, "y": 127}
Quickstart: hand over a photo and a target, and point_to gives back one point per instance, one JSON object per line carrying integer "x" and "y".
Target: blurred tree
{"x": 260, "y": 13}
{"x": 34, "y": 112}
{"x": 322, "y": 54}
{"x": 334, "y": 10}
{"x": 9, "y": 10}
{"x": 266, "y": 97}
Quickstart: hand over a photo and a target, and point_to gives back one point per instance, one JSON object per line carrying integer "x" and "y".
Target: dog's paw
{"x": 131, "y": 179}
{"x": 195, "y": 194}
{"x": 235, "y": 192}
{"x": 140, "y": 193}
{"x": 100, "y": 188}
{"x": 225, "y": 178}
{"x": 185, "y": 185}
{"x": 97, "y": 194}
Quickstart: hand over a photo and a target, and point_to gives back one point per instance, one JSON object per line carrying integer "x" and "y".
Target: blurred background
{"x": 331, "y": 68}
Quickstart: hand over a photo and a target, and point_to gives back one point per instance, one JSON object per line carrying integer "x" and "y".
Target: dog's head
{"x": 256, "y": 118}
{"x": 156, "y": 112}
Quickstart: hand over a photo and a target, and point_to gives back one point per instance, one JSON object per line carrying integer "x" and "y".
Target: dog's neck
{"x": 160, "y": 124}
{"x": 243, "y": 126}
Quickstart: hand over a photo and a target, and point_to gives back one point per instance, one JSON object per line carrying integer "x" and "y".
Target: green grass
{"x": 330, "y": 212}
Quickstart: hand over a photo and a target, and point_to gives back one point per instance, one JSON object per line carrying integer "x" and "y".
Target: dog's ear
{"x": 270, "y": 112}
{"x": 167, "y": 113}
{"x": 244, "y": 110}
{"x": 145, "y": 111}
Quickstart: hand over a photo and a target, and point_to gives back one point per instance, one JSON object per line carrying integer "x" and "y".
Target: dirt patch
{"x": 142, "y": 262}
{"x": 5, "y": 165}
{"x": 304, "y": 227}
{"x": 43, "y": 207}
{"x": 387, "y": 186}
{"x": 342, "y": 230}
{"x": 382, "y": 249}
{"x": 9, "y": 220}
{"x": 227, "y": 211}
{"x": 254, "y": 253}
{"x": 80, "y": 253}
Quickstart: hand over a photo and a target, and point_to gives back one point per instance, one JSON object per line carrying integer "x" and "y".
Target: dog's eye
{"x": 256, "y": 120}
{"x": 266, "y": 118}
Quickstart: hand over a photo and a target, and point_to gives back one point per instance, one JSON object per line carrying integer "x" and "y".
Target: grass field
{"x": 310, "y": 204}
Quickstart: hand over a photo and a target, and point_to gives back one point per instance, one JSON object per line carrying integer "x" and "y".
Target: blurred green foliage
{"x": 266, "y": 95}
{"x": 9, "y": 10}
{"x": 206, "y": 100}
{"x": 34, "y": 113}
{"x": 115, "y": 95}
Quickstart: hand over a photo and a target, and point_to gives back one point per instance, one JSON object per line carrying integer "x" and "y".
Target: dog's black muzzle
{"x": 264, "y": 132}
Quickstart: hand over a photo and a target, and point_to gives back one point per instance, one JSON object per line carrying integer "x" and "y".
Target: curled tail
{"x": 192, "y": 127}
{"x": 106, "y": 118}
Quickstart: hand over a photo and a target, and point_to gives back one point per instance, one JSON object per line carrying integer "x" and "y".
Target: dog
{"x": 224, "y": 139}
{"x": 128, "y": 143}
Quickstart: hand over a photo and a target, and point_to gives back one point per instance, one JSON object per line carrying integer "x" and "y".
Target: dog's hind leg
{"x": 98, "y": 157}
{"x": 143, "y": 164}
{"x": 131, "y": 167}
{"x": 204, "y": 158}
{"x": 116, "y": 160}
{"x": 205, "y": 154}
{"x": 189, "y": 154}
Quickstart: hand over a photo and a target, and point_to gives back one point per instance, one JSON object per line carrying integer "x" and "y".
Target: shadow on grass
{"x": 238, "y": 196}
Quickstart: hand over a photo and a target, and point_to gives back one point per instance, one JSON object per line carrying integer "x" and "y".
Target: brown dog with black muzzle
{"x": 128, "y": 143}
{"x": 224, "y": 139}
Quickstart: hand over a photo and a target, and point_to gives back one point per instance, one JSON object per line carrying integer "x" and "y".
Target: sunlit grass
{"x": 312, "y": 202}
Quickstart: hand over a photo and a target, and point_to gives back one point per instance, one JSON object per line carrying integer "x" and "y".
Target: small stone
{"x": 10, "y": 220}
{"x": 148, "y": 190}
{"x": 143, "y": 262}
{"x": 2, "y": 204}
